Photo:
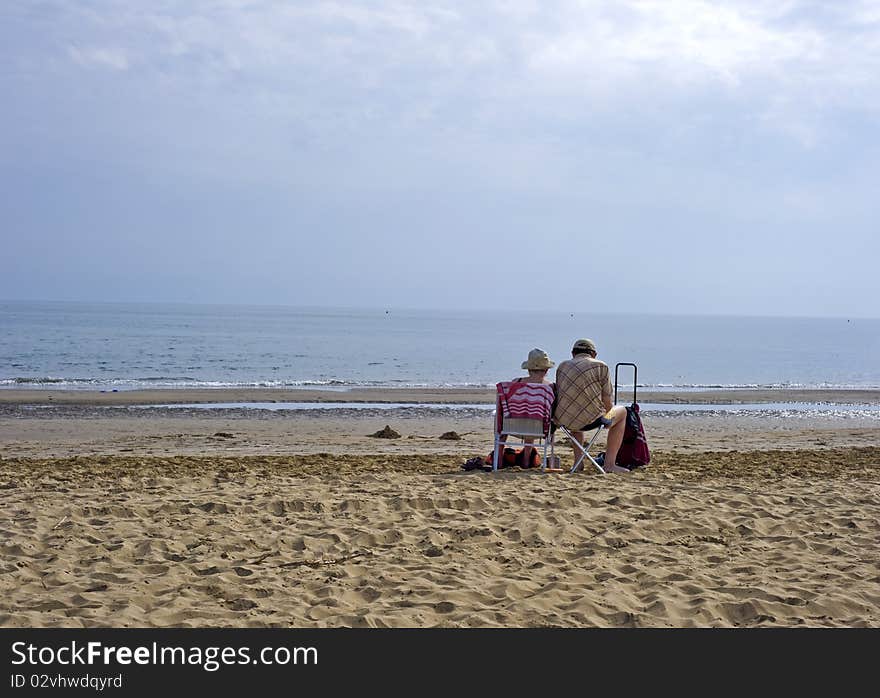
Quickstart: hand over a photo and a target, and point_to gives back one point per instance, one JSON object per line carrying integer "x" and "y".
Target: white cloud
{"x": 344, "y": 68}
{"x": 114, "y": 58}
{"x": 867, "y": 12}
{"x": 568, "y": 45}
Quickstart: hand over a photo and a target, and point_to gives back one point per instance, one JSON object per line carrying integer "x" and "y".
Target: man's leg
{"x": 579, "y": 436}
{"x": 615, "y": 439}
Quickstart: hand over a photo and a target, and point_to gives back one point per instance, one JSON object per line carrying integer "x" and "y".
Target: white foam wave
{"x": 68, "y": 383}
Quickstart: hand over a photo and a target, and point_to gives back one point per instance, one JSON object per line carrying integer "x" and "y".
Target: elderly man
{"x": 584, "y": 399}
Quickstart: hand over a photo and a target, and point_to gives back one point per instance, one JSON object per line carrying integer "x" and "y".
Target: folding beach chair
{"x": 523, "y": 411}
{"x": 583, "y": 452}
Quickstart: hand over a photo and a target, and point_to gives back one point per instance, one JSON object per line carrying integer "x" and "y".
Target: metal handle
{"x": 635, "y": 379}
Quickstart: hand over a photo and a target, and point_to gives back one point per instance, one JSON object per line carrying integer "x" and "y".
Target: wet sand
{"x": 415, "y": 395}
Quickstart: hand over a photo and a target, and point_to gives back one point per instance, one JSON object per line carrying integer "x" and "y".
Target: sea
{"x": 124, "y": 346}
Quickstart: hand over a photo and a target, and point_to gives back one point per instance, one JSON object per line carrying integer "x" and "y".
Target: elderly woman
{"x": 537, "y": 365}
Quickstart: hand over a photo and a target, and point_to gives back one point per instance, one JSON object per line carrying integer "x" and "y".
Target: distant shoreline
{"x": 451, "y": 396}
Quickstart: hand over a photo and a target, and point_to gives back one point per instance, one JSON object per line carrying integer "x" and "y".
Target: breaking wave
{"x": 146, "y": 382}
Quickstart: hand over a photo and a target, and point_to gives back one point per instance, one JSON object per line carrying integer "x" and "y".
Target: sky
{"x": 678, "y": 156}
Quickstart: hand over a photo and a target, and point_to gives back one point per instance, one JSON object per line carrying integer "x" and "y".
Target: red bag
{"x": 511, "y": 457}
{"x": 634, "y": 452}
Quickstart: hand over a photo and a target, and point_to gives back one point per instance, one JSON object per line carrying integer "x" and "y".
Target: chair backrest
{"x": 521, "y": 426}
{"x": 528, "y": 403}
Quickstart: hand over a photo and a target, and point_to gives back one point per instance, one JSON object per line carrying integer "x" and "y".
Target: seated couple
{"x": 584, "y": 398}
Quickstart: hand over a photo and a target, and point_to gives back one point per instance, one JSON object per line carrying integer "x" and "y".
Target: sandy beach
{"x": 116, "y": 515}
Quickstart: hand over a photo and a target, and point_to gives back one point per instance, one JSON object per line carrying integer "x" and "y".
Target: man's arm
{"x": 607, "y": 393}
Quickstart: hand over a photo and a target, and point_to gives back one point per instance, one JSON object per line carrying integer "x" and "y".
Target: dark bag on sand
{"x": 509, "y": 458}
{"x": 634, "y": 452}
{"x": 513, "y": 456}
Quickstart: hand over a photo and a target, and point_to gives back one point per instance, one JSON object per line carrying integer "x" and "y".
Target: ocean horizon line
{"x": 388, "y": 309}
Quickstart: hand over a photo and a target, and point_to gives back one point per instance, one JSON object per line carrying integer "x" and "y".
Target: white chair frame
{"x": 522, "y": 429}
{"x": 584, "y": 450}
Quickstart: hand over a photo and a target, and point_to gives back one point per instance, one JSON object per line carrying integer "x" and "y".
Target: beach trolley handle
{"x": 635, "y": 379}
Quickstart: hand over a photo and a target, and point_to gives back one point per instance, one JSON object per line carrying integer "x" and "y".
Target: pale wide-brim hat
{"x": 538, "y": 360}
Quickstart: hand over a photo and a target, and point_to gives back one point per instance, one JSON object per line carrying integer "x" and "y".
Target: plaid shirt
{"x": 580, "y": 383}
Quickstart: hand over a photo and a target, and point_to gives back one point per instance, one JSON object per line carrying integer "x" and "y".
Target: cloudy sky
{"x": 670, "y": 156}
